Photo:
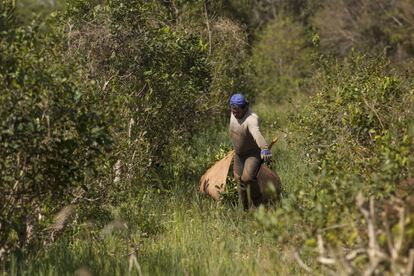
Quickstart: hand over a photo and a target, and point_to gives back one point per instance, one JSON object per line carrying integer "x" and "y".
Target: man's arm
{"x": 253, "y": 126}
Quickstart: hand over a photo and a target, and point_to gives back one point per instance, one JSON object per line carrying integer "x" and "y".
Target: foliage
{"x": 354, "y": 136}
{"x": 256, "y": 14}
{"x": 384, "y": 247}
{"x": 171, "y": 77}
{"x": 111, "y": 110}
{"x": 197, "y": 236}
{"x": 282, "y": 60}
{"x": 369, "y": 25}
{"x": 29, "y": 10}
{"x": 230, "y": 59}
{"x": 356, "y": 131}
{"x": 103, "y": 90}
{"x": 52, "y": 135}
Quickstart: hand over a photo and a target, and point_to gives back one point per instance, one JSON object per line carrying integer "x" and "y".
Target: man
{"x": 250, "y": 147}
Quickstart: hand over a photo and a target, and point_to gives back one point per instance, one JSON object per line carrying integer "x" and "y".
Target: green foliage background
{"x": 111, "y": 110}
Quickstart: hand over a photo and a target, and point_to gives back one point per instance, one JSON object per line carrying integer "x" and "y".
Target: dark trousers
{"x": 245, "y": 171}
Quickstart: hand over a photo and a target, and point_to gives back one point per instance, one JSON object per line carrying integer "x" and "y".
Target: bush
{"x": 356, "y": 133}
{"x": 370, "y": 25}
{"x": 231, "y": 70}
{"x": 257, "y": 14}
{"x": 154, "y": 79}
{"x": 52, "y": 136}
{"x": 357, "y": 136}
{"x": 96, "y": 100}
{"x": 160, "y": 78}
{"x": 282, "y": 60}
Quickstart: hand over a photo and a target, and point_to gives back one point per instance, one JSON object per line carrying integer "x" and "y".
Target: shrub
{"x": 52, "y": 136}
{"x": 369, "y": 25}
{"x": 282, "y": 60}
{"x": 231, "y": 70}
{"x": 356, "y": 133}
{"x": 160, "y": 78}
{"x": 257, "y": 14}
{"x": 154, "y": 79}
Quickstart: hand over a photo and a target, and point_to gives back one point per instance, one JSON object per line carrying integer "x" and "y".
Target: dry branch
{"x": 391, "y": 259}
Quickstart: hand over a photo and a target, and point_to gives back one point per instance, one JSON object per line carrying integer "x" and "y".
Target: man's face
{"x": 237, "y": 111}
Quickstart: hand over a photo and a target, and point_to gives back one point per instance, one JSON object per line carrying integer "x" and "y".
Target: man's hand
{"x": 266, "y": 155}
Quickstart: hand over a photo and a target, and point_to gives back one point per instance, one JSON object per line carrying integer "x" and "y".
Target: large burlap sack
{"x": 213, "y": 182}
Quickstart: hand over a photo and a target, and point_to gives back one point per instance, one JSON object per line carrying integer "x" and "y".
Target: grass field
{"x": 194, "y": 236}
{"x": 179, "y": 232}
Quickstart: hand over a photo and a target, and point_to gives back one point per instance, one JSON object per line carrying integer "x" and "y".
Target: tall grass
{"x": 197, "y": 237}
{"x": 178, "y": 231}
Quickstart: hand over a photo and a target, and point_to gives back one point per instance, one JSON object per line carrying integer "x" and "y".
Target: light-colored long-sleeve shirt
{"x": 245, "y": 134}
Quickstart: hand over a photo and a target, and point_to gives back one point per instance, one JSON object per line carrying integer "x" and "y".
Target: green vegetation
{"x": 189, "y": 240}
{"x": 110, "y": 112}
{"x": 282, "y": 60}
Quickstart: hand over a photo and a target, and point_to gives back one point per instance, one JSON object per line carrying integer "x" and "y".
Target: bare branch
{"x": 410, "y": 264}
{"x": 390, "y": 240}
{"x": 326, "y": 261}
{"x": 320, "y": 245}
{"x": 353, "y": 254}
{"x": 400, "y": 239}
{"x": 301, "y": 263}
{"x": 208, "y": 28}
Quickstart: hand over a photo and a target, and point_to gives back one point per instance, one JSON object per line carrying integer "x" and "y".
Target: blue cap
{"x": 238, "y": 100}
